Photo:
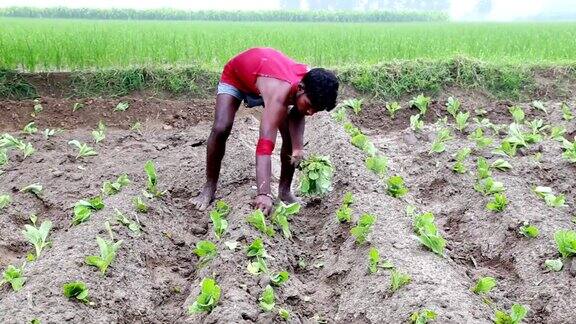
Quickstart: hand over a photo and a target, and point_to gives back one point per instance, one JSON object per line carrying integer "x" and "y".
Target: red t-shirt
{"x": 243, "y": 69}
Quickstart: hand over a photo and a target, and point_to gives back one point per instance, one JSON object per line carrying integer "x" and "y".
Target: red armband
{"x": 264, "y": 147}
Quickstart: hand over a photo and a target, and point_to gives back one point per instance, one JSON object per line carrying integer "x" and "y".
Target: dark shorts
{"x": 249, "y": 100}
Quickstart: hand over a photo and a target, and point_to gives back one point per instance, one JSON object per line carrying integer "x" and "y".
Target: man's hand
{"x": 296, "y": 157}
{"x": 264, "y": 203}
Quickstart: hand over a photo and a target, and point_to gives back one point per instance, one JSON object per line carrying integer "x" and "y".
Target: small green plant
{"x": 481, "y": 141}
{"x": 136, "y": 127}
{"x": 392, "y": 108}
{"x": 122, "y": 106}
{"x": 344, "y": 213}
{"x": 517, "y": 314}
{"x": 482, "y": 168}
{"x": 282, "y": 215}
{"x": 362, "y": 142}
{"x": 529, "y": 231}
{"x": 77, "y": 290}
{"x": 35, "y": 189}
{"x": 421, "y": 102}
{"x": 517, "y": 114}
{"x": 99, "y": 134}
{"x": 363, "y": 228}
{"x": 557, "y": 133}
{"x": 51, "y": 132}
{"x": 428, "y": 233}
{"x": 569, "y": 150}
{"x": 37, "y": 107}
{"x": 501, "y": 165}
{"x": 498, "y": 203}
{"x": 206, "y": 251}
{"x": 83, "y": 149}
{"x": 339, "y": 115}
{"x": 453, "y": 106}
{"x": 218, "y": 218}
{"x": 554, "y": 265}
{"x": 396, "y": 187}
{"x": 284, "y": 314}
{"x": 108, "y": 251}
{"x": 539, "y": 105}
{"x": 373, "y": 260}
{"x": 484, "y": 285}
{"x": 377, "y": 164}
{"x": 267, "y": 299}
{"x": 280, "y": 278}
{"x": 316, "y": 178}
{"x": 398, "y": 280}
{"x": 489, "y": 186}
{"x": 354, "y": 104}
{"x": 133, "y": 226}
{"x": 549, "y": 197}
{"x": 566, "y": 112}
{"x": 5, "y": 200}
{"x": 38, "y": 236}
{"x": 460, "y": 157}
{"x": 139, "y": 205}
{"x": 13, "y": 276}
{"x": 439, "y": 143}
{"x": 30, "y": 128}
{"x": 83, "y": 209}
{"x": 77, "y": 106}
{"x": 515, "y": 136}
{"x": 151, "y": 186}
{"x": 258, "y": 220}
{"x": 416, "y": 124}
{"x": 208, "y": 297}
{"x": 566, "y": 242}
{"x": 3, "y": 157}
{"x": 111, "y": 188}
{"x": 506, "y": 149}
{"x": 462, "y": 120}
{"x": 423, "y": 316}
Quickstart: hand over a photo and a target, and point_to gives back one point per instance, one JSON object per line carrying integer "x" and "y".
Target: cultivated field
{"x": 33, "y": 44}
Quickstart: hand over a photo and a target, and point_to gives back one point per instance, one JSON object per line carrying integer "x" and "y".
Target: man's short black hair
{"x": 321, "y": 87}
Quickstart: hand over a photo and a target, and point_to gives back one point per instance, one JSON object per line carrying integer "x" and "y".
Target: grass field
{"x": 36, "y": 45}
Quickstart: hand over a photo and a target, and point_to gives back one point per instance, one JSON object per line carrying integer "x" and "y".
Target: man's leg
{"x": 286, "y": 167}
{"x": 226, "y": 108}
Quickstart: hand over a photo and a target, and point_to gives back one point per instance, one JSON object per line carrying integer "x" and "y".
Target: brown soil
{"x": 154, "y": 277}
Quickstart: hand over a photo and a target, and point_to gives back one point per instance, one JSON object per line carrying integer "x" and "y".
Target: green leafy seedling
{"x": 13, "y": 276}
{"x": 35, "y": 189}
{"x": 566, "y": 112}
{"x": 460, "y": 157}
{"x": 133, "y": 226}
{"x": 453, "y": 106}
{"x": 428, "y": 233}
{"x": 481, "y": 141}
{"x": 396, "y": 187}
{"x": 517, "y": 314}
{"x": 363, "y": 228}
{"x": 373, "y": 260}
{"x": 282, "y": 215}
{"x": 569, "y": 150}
{"x": 377, "y": 164}
{"x": 151, "y": 187}
{"x": 208, "y": 297}
{"x": 99, "y": 134}
{"x": 489, "y": 186}
{"x": 77, "y": 106}
{"x": 392, "y": 108}
{"x": 267, "y": 299}
{"x": 139, "y": 205}
{"x": 421, "y": 102}
{"x": 284, "y": 314}
{"x": 5, "y": 200}
{"x": 316, "y": 178}
{"x": 482, "y": 168}
{"x": 439, "y": 143}
{"x": 529, "y": 231}
{"x": 423, "y": 316}
{"x": 339, "y": 114}
{"x": 206, "y": 251}
{"x": 83, "y": 149}
{"x": 517, "y": 114}
{"x": 498, "y": 203}
{"x": 77, "y": 290}
{"x": 30, "y": 128}
{"x": 416, "y": 123}
{"x": 83, "y": 209}
{"x": 462, "y": 120}
{"x": 554, "y": 265}
{"x": 258, "y": 220}
{"x": 108, "y": 251}
{"x": 501, "y": 165}
{"x": 38, "y": 236}
{"x": 121, "y": 106}
{"x": 398, "y": 280}
{"x": 566, "y": 242}
{"x": 280, "y": 278}
{"x": 111, "y": 188}
{"x": 484, "y": 285}
{"x": 539, "y": 105}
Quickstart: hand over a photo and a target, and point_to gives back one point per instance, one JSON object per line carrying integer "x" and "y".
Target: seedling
{"x": 316, "y": 178}
{"x": 83, "y": 149}
{"x": 423, "y": 316}
{"x": 5, "y": 200}
{"x": 83, "y": 209}
{"x": 506, "y": 149}
{"x": 460, "y": 157}
{"x": 549, "y": 197}
{"x": 539, "y": 105}
{"x": 344, "y": 213}
{"x": 481, "y": 140}
{"x": 354, "y": 104}
{"x": 151, "y": 187}
{"x": 428, "y": 233}
{"x": 267, "y": 299}
{"x": 373, "y": 260}
{"x": 529, "y": 231}
{"x": 38, "y": 236}
{"x": 35, "y": 189}
{"x": 566, "y": 112}
{"x": 122, "y": 106}
{"x": 111, "y": 188}
{"x": 3, "y": 157}
{"x": 363, "y": 228}
{"x": 482, "y": 168}
{"x": 279, "y": 278}
{"x": 206, "y": 251}
{"x": 396, "y": 187}
{"x": 566, "y": 242}
{"x": 517, "y": 114}
{"x": 392, "y": 108}
{"x": 30, "y": 128}
{"x": 351, "y": 130}
{"x": 282, "y": 214}
{"x": 99, "y": 134}
{"x": 284, "y": 314}
{"x": 501, "y": 165}
{"x": 208, "y": 297}
{"x": 77, "y": 106}
{"x": 51, "y": 132}
{"x": 108, "y": 251}
{"x": 416, "y": 124}
{"x": 218, "y": 217}
{"x": 37, "y": 107}
{"x": 537, "y": 127}
{"x": 498, "y": 203}
{"x": 377, "y": 164}
{"x": 439, "y": 143}
{"x": 517, "y": 314}
{"x": 136, "y": 127}
{"x": 258, "y": 220}
{"x": 515, "y": 136}
{"x": 453, "y": 106}
{"x": 77, "y": 290}
{"x": 339, "y": 115}
{"x": 133, "y": 226}
{"x": 462, "y": 120}
{"x": 557, "y": 133}
{"x": 257, "y": 266}
{"x": 421, "y": 102}
{"x": 398, "y": 280}
{"x": 554, "y": 265}
{"x": 569, "y": 150}
{"x": 484, "y": 285}
{"x": 139, "y": 205}
{"x": 14, "y": 276}
{"x": 256, "y": 249}
{"x": 362, "y": 142}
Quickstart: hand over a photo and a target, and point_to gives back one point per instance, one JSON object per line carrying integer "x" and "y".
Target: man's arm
{"x": 275, "y": 93}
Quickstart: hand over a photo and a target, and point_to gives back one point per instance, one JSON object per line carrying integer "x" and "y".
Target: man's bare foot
{"x": 288, "y": 197}
{"x": 205, "y": 198}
